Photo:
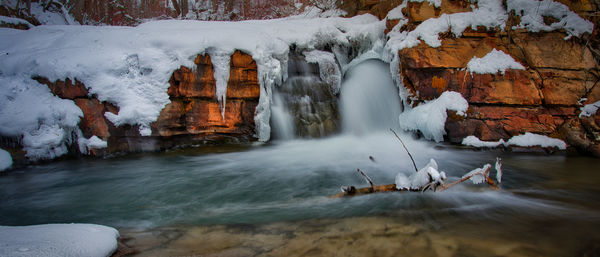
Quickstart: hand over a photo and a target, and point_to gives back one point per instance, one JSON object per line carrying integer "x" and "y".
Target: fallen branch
{"x": 366, "y": 177}
{"x": 484, "y": 172}
{"x": 409, "y": 155}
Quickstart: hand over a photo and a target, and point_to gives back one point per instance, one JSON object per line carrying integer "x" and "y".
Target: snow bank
{"x": 130, "y": 66}
{"x": 530, "y": 139}
{"x": 525, "y": 140}
{"x": 58, "y": 240}
{"x": 5, "y": 160}
{"x": 532, "y": 14}
{"x": 15, "y": 21}
{"x": 329, "y": 71}
{"x": 430, "y": 117}
{"x": 589, "y": 109}
{"x": 493, "y": 62}
{"x": 45, "y": 121}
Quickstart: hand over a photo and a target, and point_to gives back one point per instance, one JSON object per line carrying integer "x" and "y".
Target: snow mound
{"x": 428, "y": 175}
{"x": 526, "y": 140}
{"x": 430, "y": 117}
{"x": 58, "y": 240}
{"x": 30, "y": 110}
{"x": 589, "y": 109}
{"x": 87, "y": 144}
{"x": 530, "y": 139}
{"x": 5, "y": 160}
{"x": 532, "y": 14}
{"x": 493, "y": 62}
{"x": 476, "y": 142}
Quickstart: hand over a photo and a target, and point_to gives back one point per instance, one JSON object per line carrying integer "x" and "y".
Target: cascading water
{"x": 304, "y": 105}
{"x": 369, "y": 100}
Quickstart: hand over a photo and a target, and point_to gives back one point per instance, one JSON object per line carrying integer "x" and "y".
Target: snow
{"x": 493, "y": 62}
{"x": 532, "y": 14}
{"x": 476, "y": 142}
{"x": 430, "y": 117}
{"x": 131, "y": 66}
{"x": 428, "y": 175}
{"x": 329, "y": 71}
{"x": 589, "y": 109}
{"x": 5, "y": 160}
{"x": 477, "y": 176}
{"x": 87, "y": 144}
{"x": 50, "y": 17}
{"x": 489, "y": 14}
{"x": 45, "y": 121}
{"x": 530, "y": 139}
{"x": 526, "y": 140}
{"x": 58, "y": 240}
{"x": 15, "y": 21}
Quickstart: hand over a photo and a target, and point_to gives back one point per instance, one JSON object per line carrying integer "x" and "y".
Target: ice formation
{"x": 428, "y": 175}
{"x": 430, "y": 117}
{"x": 477, "y": 175}
{"x": 58, "y": 240}
{"x": 5, "y": 160}
{"x": 220, "y": 61}
{"x": 493, "y": 62}
{"x": 329, "y": 70}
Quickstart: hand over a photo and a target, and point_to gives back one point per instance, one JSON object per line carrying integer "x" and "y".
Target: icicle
{"x": 220, "y": 61}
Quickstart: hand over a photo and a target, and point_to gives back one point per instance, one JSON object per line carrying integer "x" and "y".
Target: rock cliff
{"x": 193, "y": 117}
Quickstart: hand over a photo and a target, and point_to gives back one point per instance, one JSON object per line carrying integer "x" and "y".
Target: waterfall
{"x": 369, "y": 101}
{"x": 304, "y": 105}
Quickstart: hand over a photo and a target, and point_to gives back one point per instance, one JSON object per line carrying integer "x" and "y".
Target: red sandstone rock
{"x": 65, "y": 89}
{"x": 93, "y": 121}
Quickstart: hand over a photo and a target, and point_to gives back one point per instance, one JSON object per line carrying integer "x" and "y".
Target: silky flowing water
{"x": 273, "y": 200}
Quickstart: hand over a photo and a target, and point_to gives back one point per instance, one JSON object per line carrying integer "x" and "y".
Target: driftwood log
{"x": 349, "y": 191}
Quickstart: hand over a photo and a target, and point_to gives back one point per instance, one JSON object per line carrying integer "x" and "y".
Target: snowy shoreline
{"x": 58, "y": 240}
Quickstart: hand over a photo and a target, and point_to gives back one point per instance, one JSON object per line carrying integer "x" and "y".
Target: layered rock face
{"x": 193, "y": 117}
{"x": 545, "y": 98}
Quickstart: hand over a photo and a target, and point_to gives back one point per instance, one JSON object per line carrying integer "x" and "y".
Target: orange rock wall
{"x": 542, "y": 99}
{"x": 193, "y": 116}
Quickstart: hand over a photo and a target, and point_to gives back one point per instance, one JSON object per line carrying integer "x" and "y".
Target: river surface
{"x": 272, "y": 200}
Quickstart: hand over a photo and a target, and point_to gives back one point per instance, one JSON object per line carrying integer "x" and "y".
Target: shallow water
{"x": 235, "y": 201}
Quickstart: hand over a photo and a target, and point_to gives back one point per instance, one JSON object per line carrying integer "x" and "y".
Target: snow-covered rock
{"x": 430, "y": 117}
{"x": 493, "y": 62}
